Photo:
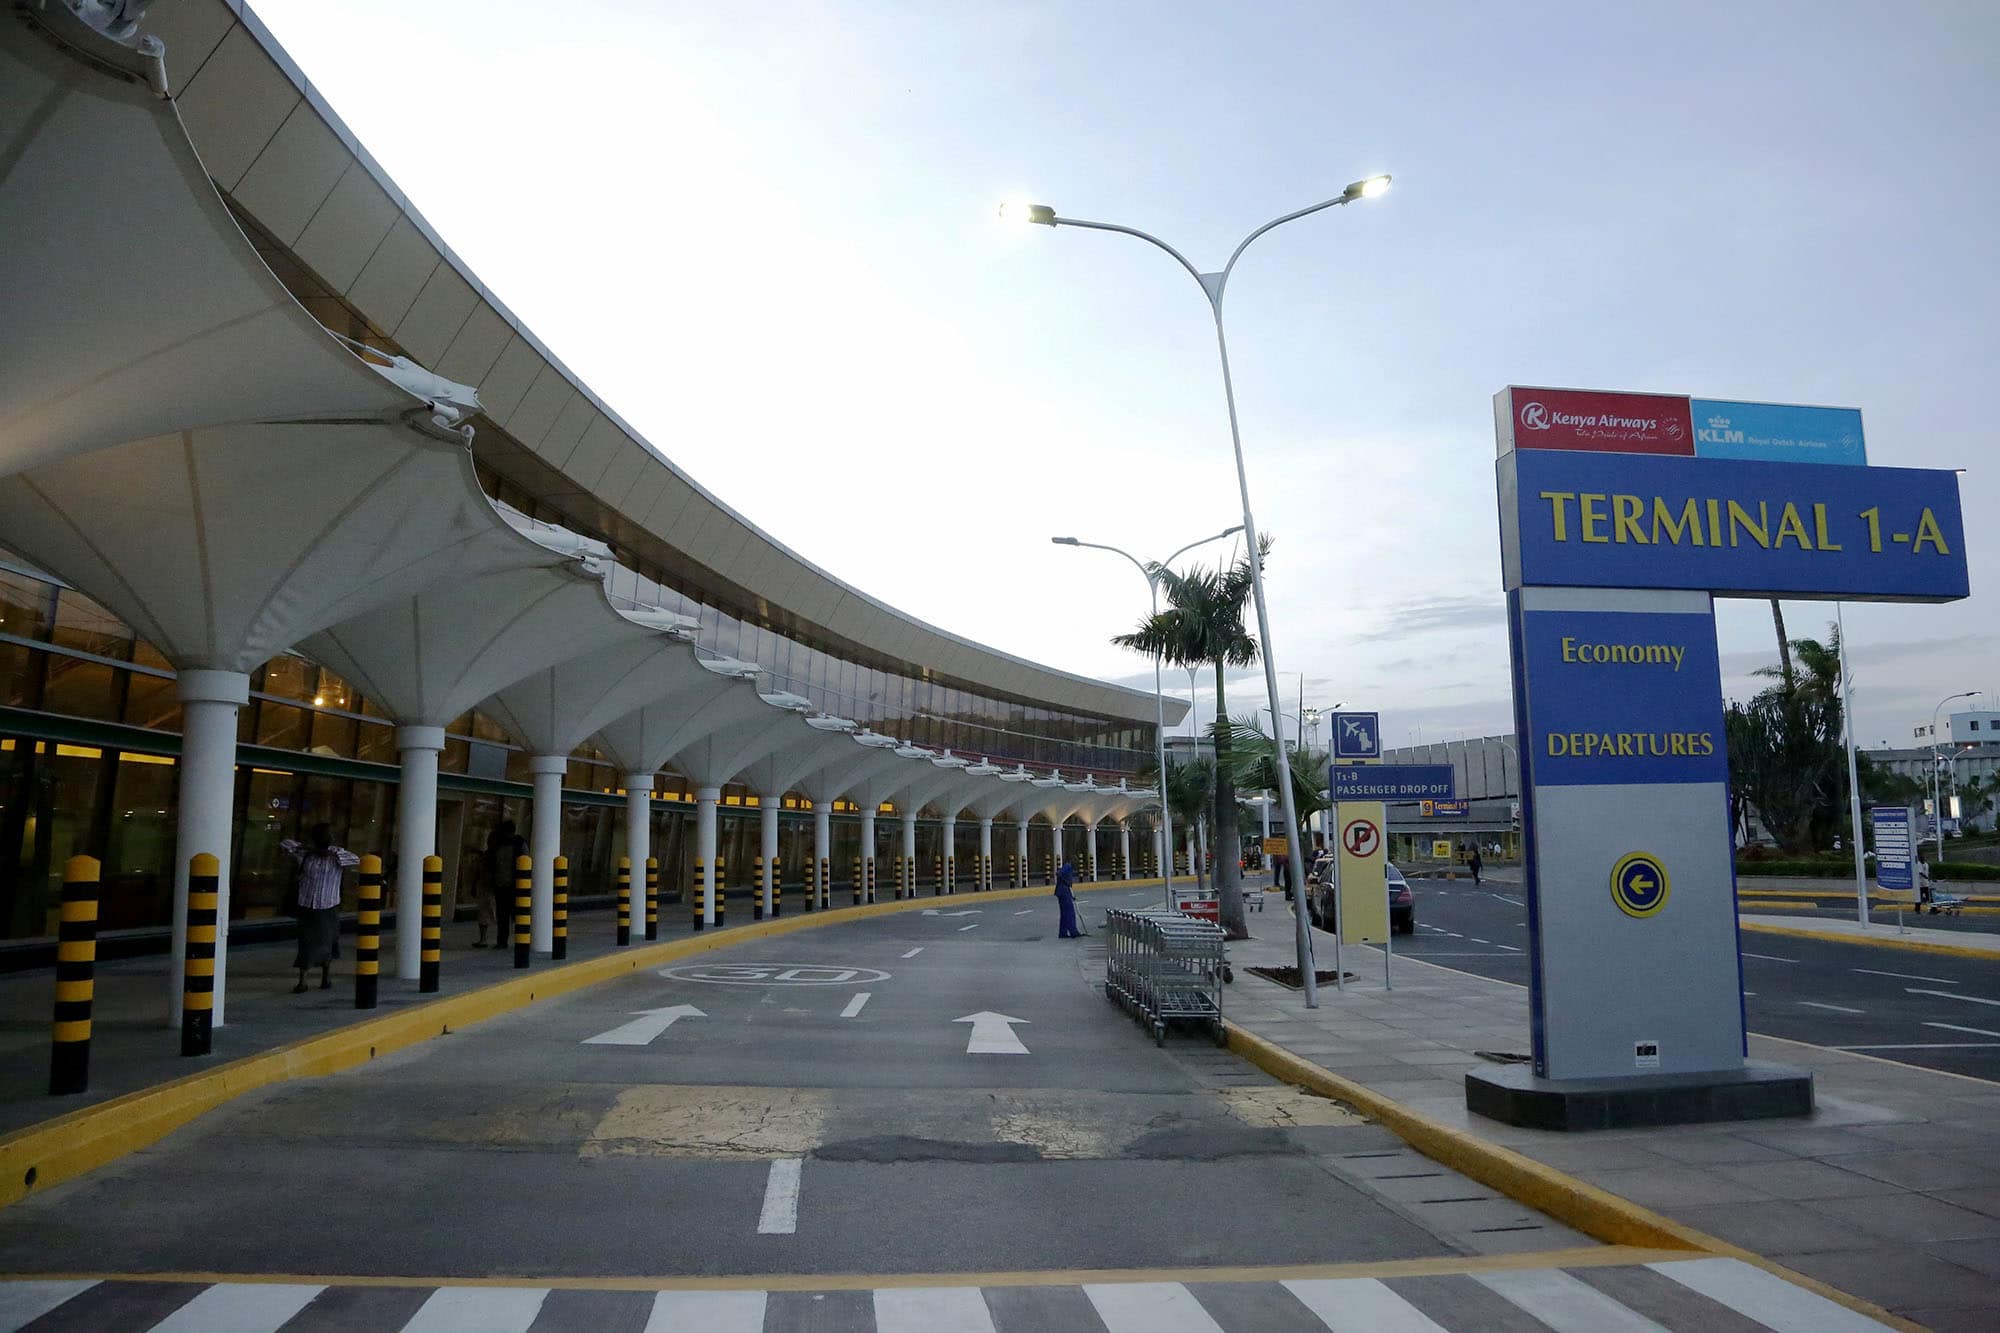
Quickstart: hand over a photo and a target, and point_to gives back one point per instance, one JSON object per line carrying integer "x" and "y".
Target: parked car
{"x": 1402, "y": 903}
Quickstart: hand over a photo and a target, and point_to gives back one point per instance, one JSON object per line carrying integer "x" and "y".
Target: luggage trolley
{"x": 1162, "y": 966}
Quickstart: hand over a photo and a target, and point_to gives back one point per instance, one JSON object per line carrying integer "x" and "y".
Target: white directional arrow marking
{"x": 992, "y": 1034}
{"x": 970, "y": 911}
{"x": 649, "y": 1024}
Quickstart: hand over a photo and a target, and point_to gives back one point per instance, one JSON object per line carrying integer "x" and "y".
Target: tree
{"x": 1785, "y": 754}
{"x": 1190, "y": 788}
{"x": 1253, "y": 756}
{"x": 1203, "y": 626}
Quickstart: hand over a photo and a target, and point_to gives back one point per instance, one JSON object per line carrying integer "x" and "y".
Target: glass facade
{"x": 89, "y": 730}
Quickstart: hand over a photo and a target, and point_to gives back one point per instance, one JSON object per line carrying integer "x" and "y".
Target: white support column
{"x": 705, "y": 800}
{"x": 1125, "y": 850}
{"x": 1025, "y": 872}
{"x": 210, "y": 701}
{"x": 985, "y": 880}
{"x": 544, "y": 845}
{"x": 868, "y": 853}
{"x": 1090, "y": 844}
{"x": 947, "y": 846}
{"x": 767, "y": 828}
{"x": 822, "y": 866}
{"x": 416, "y": 838}
{"x": 638, "y": 838}
{"x": 910, "y": 850}
{"x": 1056, "y": 842}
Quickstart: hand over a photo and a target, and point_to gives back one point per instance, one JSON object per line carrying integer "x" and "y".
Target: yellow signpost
{"x": 1364, "y": 873}
{"x": 1441, "y": 849}
{"x": 1274, "y": 846}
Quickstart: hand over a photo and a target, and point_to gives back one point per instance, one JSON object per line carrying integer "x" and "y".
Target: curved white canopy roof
{"x": 709, "y": 692}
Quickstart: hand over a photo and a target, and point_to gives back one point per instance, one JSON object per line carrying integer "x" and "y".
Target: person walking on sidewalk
{"x": 1066, "y": 900}
{"x": 317, "y": 902}
{"x": 1477, "y": 863}
{"x": 496, "y": 885}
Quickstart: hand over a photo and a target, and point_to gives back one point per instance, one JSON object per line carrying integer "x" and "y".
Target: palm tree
{"x": 1203, "y": 625}
{"x": 1190, "y": 788}
{"x": 1254, "y": 757}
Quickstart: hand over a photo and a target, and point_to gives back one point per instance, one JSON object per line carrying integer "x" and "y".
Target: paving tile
{"x": 1777, "y": 1225}
{"x": 1980, "y": 1199}
{"x": 1979, "y": 1256}
{"x": 1909, "y": 1217}
{"x": 1961, "y": 1136}
{"x": 1899, "y": 1277}
{"x": 1593, "y": 1152}
{"x": 1814, "y": 1141}
{"x": 1806, "y": 1179}
{"x": 1677, "y": 1187}
{"x": 1927, "y": 1171}
{"x": 1713, "y": 1148}
{"x": 1952, "y": 1319}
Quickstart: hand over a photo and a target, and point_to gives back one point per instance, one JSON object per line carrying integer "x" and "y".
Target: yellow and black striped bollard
{"x": 368, "y": 933}
{"x": 624, "y": 900}
{"x": 652, "y": 897}
{"x": 76, "y": 978}
{"x": 700, "y": 894}
{"x": 718, "y": 889}
{"x": 777, "y": 885}
{"x": 198, "y": 969}
{"x": 431, "y": 942}
{"x": 858, "y": 886}
{"x": 524, "y": 891}
{"x": 559, "y": 913}
{"x": 1050, "y": 868}
{"x": 757, "y": 890}
{"x": 825, "y": 883}
{"x": 868, "y": 874}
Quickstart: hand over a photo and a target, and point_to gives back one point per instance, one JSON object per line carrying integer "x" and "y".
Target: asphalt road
{"x": 821, "y": 1113}
{"x": 1932, "y": 1010}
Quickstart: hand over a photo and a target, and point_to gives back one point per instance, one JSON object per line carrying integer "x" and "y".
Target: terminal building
{"x": 299, "y": 524}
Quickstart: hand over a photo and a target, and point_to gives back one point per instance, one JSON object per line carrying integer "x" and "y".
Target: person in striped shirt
{"x": 316, "y": 903}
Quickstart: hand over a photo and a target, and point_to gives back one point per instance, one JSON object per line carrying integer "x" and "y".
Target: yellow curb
{"x": 52, "y": 1151}
{"x": 1913, "y": 946}
{"x": 1591, "y": 1210}
{"x": 1596, "y": 1256}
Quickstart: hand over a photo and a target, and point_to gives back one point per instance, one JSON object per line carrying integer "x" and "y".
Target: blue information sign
{"x": 1730, "y": 527}
{"x": 1778, "y": 433}
{"x": 1357, "y": 735}
{"x": 1618, "y": 697}
{"x": 1895, "y": 848}
{"x": 1392, "y": 782}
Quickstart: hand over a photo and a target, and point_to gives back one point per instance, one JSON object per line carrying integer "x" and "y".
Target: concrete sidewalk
{"x": 1884, "y": 929}
{"x": 1890, "y": 1191}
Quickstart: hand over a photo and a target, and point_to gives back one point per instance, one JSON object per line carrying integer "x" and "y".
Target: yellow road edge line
{"x": 1595, "y": 1256}
{"x": 1590, "y": 1209}
{"x": 1876, "y": 941}
{"x": 45, "y": 1154}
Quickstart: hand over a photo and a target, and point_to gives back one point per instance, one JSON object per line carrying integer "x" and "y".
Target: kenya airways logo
{"x": 1538, "y": 416}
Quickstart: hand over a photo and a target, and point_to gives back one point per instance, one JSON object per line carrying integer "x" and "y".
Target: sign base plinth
{"x": 1759, "y": 1090}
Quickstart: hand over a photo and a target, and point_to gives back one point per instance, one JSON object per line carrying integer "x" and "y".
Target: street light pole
{"x": 1213, "y": 286}
{"x": 1937, "y": 800}
{"x": 1152, "y": 576}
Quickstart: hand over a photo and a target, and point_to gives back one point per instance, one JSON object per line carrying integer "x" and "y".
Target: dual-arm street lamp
{"x": 1213, "y": 285}
{"x": 1151, "y": 573}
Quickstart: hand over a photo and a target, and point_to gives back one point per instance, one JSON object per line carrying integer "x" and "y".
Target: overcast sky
{"x": 764, "y": 234}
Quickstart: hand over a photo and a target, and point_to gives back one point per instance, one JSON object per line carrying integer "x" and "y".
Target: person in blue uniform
{"x": 1066, "y": 899}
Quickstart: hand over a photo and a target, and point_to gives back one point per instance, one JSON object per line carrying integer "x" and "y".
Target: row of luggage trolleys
{"x": 1162, "y": 967}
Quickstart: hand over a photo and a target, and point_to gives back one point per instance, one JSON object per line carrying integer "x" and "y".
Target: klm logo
{"x": 1717, "y": 432}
